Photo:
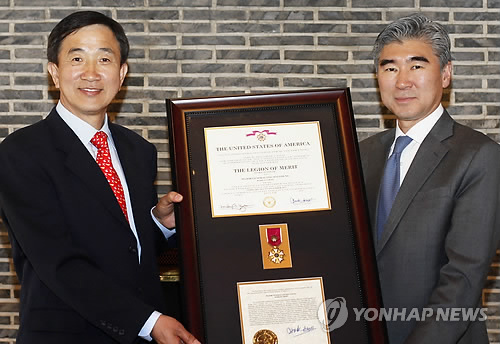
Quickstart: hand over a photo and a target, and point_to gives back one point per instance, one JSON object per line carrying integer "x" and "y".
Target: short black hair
{"x": 76, "y": 21}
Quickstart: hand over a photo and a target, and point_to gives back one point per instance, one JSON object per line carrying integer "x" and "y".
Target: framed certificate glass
{"x": 273, "y": 228}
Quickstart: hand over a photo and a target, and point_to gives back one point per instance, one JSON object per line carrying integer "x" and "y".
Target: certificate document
{"x": 283, "y": 311}
{"x": 269, "y": 168}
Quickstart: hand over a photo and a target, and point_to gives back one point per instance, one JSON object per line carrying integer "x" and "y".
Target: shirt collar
{"x": 420, "y": 130}
{"x": 82, "y": 129}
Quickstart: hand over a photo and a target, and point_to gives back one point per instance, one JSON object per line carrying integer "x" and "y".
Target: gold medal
{"x": 276, "y": 255}
{"x": 265, "y": 337}
{"x": 275, "y": 246}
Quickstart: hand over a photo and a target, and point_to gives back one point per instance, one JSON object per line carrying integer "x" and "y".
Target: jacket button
{"x": 121, "y": 332}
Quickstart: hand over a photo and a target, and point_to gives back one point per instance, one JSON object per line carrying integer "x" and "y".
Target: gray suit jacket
{"x": 442, "y": 231}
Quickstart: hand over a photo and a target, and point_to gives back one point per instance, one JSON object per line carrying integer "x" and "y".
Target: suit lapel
{"x": 428, "y": 157}
{"x": 129, "y": 156}
{"x": 81, "y": 164}
{"x": 126, "y": 153}
{"x": 373, "y": 167}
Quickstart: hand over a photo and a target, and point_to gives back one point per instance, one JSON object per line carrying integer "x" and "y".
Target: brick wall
{"x": 194, "y": 48}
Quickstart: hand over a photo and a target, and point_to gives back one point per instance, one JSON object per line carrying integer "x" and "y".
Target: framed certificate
{"x": 266, "y": 169}
{"x": 273, "y": 231}
{"x": 286, "y": 309}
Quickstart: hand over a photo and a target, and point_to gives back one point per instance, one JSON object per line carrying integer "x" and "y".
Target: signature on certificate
{"x": 299, "y": 330}
{"x": 241, "y": 207}
{"x": 300, "y": 200}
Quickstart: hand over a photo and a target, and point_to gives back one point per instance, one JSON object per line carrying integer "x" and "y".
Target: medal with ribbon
{"x": 273, "y": 235}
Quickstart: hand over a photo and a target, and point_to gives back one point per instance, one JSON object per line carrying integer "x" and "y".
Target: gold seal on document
{"x": 265, "y": 337}
{"x": 261, "y": 136}
{"x": 269, "y": 202}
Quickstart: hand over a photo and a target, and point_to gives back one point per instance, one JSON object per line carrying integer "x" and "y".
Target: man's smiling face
{"x": 411, "y": 81}
{"x": 88, "y": 73}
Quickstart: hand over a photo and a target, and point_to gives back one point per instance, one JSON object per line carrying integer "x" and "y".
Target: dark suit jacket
{"x": 442, "y": 231}
{"x": 74, "y": 252}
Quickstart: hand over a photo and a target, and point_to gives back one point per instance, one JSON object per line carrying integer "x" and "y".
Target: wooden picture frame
{"x": 331, "y": 242}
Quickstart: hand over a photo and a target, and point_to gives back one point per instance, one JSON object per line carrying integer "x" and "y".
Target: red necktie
{"x": 100, "y": 140}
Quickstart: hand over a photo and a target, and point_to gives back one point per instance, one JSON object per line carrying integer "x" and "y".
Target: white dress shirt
{"x": 417, "y": 133}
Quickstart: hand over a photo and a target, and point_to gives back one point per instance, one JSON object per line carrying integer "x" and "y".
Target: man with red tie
{"x": 78, "y": 198}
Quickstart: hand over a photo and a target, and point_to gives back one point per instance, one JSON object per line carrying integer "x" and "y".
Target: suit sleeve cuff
{"x": 145, "y": 332}
{"x": 166, "y": 232}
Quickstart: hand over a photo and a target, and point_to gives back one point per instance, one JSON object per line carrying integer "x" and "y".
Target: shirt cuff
{"x": 145, "y": 332}
{"x": 167, "y": 233}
